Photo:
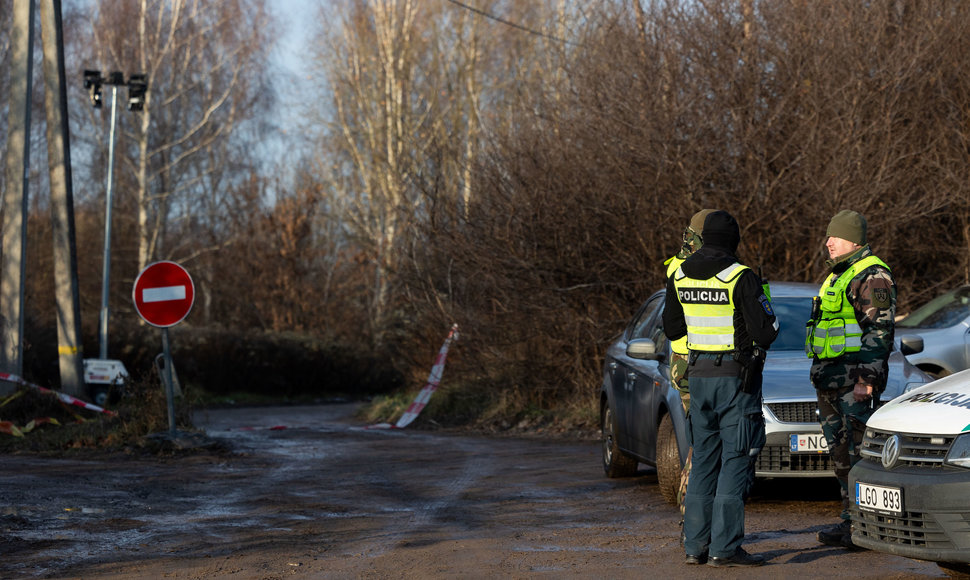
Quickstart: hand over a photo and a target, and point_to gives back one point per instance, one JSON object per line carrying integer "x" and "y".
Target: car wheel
{"x": 616, "y": 463}
{"x": 668, "y": 460}
{"x": 100, "y": 396}
{"x": 955, "y": 569}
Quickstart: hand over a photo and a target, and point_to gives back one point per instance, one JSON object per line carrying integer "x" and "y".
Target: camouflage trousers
{"x": 685, "y": 472}
{"x": 678, "y": 377}
{"x": 844, "y": 425}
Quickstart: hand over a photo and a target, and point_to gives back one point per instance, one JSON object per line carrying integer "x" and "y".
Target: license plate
{"x": 879, "y": 498}
{"x": 809, "y": 443}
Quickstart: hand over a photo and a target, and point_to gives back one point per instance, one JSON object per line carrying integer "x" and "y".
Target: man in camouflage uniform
{"x": 850, "y": 338}
{"x": 693, "y": 241}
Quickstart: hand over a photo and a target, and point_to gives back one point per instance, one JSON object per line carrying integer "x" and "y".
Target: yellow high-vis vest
{"x": 678, "y": 346}
{"x": 709, "y": 308}
{"x": 837, "y": 330}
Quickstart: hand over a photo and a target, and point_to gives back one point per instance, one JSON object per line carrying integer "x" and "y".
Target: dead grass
{"x": 508, "y": 411}
{"x": 50, "y": 426}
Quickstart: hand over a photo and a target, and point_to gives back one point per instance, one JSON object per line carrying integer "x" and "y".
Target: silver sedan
{"x": 943, "y": 324}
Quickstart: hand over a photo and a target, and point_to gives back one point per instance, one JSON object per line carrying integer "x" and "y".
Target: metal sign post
{"x": 163, "y": 295}
{"x": 169, "y": 391}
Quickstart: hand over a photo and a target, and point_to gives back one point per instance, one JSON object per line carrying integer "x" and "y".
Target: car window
{"x": 642, "y": 326}
{"x": 792, "y": 314}
{"x": 941, "y": 312}
{"x": 656, "y": 332}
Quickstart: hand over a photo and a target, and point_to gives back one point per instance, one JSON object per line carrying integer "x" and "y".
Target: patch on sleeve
{"x": 880, "y": 297}
{"x": 766, "y": 305}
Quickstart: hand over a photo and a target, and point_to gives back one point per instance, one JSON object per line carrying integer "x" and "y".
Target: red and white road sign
{"x": 163, "y": 294}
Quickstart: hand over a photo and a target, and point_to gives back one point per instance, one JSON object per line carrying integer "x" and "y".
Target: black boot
{"x": 693, "y": 560}
{"x": 839, "y": 535}
{"x": 740, "y": 558}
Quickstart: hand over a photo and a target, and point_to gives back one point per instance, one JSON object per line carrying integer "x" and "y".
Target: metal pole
{"x": 106, "y": 276}
{"x": 169, "y": 390}
{"x": 14, "y": 229}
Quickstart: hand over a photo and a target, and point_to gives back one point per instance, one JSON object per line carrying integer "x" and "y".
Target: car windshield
{"x": 941, "y": 312}
{"x": 792, "y": 314}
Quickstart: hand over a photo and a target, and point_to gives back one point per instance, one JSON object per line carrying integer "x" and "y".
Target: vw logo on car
{"x": 890, "y": 453}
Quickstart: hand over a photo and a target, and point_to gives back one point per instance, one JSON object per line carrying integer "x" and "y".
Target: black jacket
{"x": 754, "y": 320}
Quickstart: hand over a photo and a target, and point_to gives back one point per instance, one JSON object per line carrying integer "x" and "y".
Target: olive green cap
{"x": 848, "y": 225}
{"x": 697, "y": 222}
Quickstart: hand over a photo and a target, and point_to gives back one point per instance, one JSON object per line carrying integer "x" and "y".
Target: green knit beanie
{"x": 848, "y": 225}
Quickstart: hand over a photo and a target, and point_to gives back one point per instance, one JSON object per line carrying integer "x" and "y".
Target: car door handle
{"x": 612, "y": 366}
{"x": 631, "y": 376}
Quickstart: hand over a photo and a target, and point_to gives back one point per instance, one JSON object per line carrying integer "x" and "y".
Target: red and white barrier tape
{"x": 434, "y": 379}
{"x": 7, "y": 377}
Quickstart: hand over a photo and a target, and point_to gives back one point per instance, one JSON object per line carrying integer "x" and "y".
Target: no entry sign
{"x": 163, "y": 294}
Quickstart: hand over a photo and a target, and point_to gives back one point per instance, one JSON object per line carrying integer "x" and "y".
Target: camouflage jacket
{"x": 873, "y": 295}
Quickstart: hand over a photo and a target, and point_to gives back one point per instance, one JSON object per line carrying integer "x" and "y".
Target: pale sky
{"x": 297, "y": 18}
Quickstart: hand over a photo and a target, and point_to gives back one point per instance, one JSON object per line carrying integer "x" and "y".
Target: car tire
{"x": 100, "y": 396}
{"x": 668, "y": 460}
{"x": 616, "y": 462}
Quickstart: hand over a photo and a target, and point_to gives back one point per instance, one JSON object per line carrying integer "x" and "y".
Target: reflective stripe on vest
{"x": 678, "y": 346}
{"x": 837, "y": 331}
{"x": 709, "y": 308}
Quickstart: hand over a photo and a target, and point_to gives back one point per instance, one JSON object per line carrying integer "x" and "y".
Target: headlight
{"x": 959, "y": 453}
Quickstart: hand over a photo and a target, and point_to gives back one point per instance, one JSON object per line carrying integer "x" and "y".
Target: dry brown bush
{"x": 782, "y": 116}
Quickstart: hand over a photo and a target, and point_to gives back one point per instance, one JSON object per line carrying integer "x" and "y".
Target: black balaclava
{"x": 721, "y": 231}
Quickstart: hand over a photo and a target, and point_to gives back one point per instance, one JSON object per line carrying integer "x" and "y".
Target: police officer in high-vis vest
{"x": 693, "y": 240}
{"x": 849, "y": 339}
{"x": 720, "y": 306}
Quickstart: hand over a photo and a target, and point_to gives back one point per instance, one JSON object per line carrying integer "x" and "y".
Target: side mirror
{"x": 910, "y": 344}
{"x": 643, "y": 349}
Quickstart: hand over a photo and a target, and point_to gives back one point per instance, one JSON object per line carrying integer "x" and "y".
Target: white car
{"x": 912, "y": 485}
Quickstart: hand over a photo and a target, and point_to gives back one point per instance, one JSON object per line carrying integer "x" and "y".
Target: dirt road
{"x": 309, "y": 493}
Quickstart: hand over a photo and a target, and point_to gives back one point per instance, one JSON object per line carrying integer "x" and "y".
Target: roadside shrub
{"x": 220, "y": 362}
{"x": 38, "y": 422}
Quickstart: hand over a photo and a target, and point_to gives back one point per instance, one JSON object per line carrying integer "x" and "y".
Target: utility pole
{"x": 14, "y": 226}
{"x": 16, "y": 195}
{"x": 70, "y": 355}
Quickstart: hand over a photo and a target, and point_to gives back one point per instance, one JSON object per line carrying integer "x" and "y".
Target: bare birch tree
{"x": 402, "y": 126}
{"x": 205, "y": 65}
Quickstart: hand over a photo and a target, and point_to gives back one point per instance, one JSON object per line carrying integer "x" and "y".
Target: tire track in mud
{"x": 273, "y": 493}
{"x": 438, "y": 490}
{"x": 412, "y": 491}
